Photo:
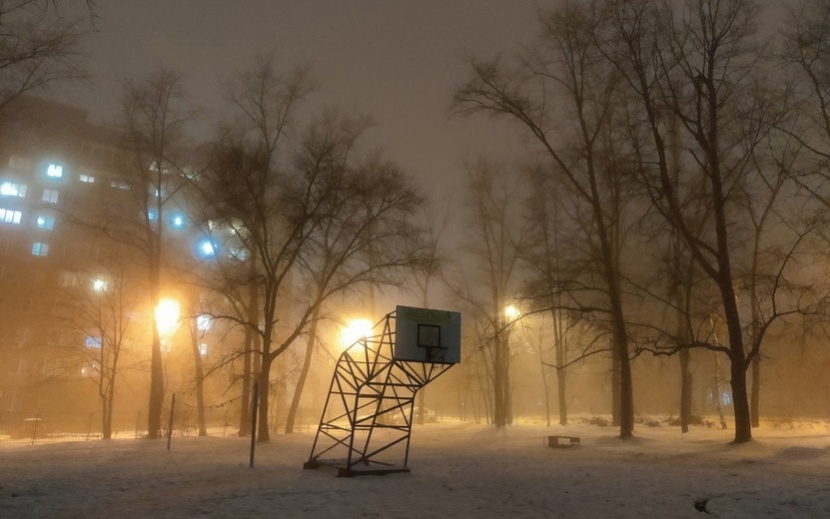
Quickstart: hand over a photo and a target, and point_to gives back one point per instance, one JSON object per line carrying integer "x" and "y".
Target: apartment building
{"x": 59, "y": 176}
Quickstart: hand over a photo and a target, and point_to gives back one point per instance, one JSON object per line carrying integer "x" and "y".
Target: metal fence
{"x": 53, "y": 427}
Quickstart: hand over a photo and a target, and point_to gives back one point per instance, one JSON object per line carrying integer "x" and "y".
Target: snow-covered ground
{"x": 458, "y": 470}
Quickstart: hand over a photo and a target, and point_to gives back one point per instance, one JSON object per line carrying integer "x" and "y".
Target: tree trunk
{"x": 737, "y": 359}
{"x": 106, "y": 426}
{"x": 545, "y": 390}
{"x": 561, "y": 360}
{"x": 200, "y": 377}
{"x": 420, "y": 398}
{"x": 156, "y": 384}
{"x": 685, "y": 390}
{"x": 298, "y": 390}
{"x": 245, "y": 408}
{"x": 626, "y": 390}
{"x": 508, "y": 390}
{"x": 499, "y": 416}
{"x": 250, "y": 360}
{"x": 756, "y": 392}
{"x": 615, "y": 388}
{"x": 263, "y": 431}
{"x": 740, "y": 403}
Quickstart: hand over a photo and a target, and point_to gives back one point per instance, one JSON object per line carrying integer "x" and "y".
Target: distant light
{"x": 177, "y": 221}
{"x": 99, "y": 285}
{"x": 511, "y": 312}
{"x": 152, "y": 214}
{"x": 355, "y": 330}
{"x": 206, "y": 248}
{"x": 203, "y": 349}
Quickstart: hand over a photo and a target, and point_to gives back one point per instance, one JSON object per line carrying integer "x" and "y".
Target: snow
{"x": 457, "y": 470}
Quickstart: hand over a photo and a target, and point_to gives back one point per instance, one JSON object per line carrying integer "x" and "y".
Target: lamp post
{"x": 167, "y": 319}
{"x": 355, "y": 330}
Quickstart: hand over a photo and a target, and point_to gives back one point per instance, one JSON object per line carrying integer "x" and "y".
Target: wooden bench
{"x": 562, "y": 441}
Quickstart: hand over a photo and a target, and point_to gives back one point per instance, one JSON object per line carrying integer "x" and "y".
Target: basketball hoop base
{"x": 360, "y": 469}
{"x": 367, "y": 418}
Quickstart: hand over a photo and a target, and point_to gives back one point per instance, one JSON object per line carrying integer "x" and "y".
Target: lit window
{"x": 120, "y": 183}
{"x": 240, "y": 253}
{"x": 50, "y": 196}
{"x": 93, "y": 342}
{"x": 206, "y": 248}
{"x": 99, "y": 285}
{"x": 13, "y": 189}
{"x": 54, "y": 171}
{"x": 46, "y": 222}
{"x": 40, "y": 249}
{"x": 203, "y": 322}
{"x": 89, "y": 179}
{"x": 177, "y": 221}
{"x": 9, "y": 216}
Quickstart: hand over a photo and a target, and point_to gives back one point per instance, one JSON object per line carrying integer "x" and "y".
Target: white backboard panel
{"x": 427, "y": 335}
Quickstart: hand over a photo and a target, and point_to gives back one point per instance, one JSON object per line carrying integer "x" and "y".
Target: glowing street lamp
{"x": 167, "y": 316}
{"x": 355, "y": 330}
{"x": 512, "y": 313}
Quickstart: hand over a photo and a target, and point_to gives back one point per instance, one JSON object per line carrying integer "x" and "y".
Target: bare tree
{"x": 297, "y": 219}
{"x": 365, "y": 241}
{"x": 107, "y": 308}
{"x": 425, "y": 273}
{"x": 495, "y": 240}
{"x": 700, "y": 65}
{"x": 564, "y": 79}
{"x": 40, "y": 44}
{"x": 154, "y": 118}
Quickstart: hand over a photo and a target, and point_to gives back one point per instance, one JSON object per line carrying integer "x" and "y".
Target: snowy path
{"x": 457, "y": 471}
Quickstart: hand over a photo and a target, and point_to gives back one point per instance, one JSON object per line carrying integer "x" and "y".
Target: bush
{"x": 599, "y": 421}
{"x": 647, "y": 421}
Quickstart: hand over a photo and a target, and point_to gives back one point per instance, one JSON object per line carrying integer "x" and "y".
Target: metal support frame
{"x": 367, "y": 419}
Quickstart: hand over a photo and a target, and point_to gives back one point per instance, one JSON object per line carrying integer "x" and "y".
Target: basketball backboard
{"x": 427, "y": 335}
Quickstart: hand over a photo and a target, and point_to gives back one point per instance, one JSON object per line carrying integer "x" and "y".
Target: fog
{"x": 205, "y": 208}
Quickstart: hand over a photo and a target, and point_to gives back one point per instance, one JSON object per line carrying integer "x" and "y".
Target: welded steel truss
{"x": 367, "y": 419}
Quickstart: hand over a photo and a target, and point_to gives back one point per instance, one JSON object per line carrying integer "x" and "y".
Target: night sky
{"x": 396, "y": 60}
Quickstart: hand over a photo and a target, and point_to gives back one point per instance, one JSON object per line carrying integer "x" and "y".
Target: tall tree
{"x": 496, "y": 238}
{"x": 563, "y": 79}
{"x": 155, "y": 114}
{"x": 699, "y": 66}
{"x": 299, "y": 215}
